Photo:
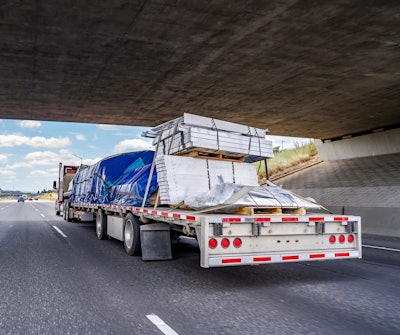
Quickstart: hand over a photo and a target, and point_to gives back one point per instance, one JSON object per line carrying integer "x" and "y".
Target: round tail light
{"x": 237, "y": 242}
{"x": 350, "y": 239}
{"x": 342, "y": 239}
{"x": 212, "y": 243}
{"x": 225, "y": 243}
{"x": 332, "y": 239}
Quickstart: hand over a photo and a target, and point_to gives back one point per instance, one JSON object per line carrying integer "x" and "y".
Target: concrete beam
{"x": 374, "y": 144}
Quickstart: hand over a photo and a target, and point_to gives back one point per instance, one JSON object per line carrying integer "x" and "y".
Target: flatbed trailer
{"x": 228, "y": 239}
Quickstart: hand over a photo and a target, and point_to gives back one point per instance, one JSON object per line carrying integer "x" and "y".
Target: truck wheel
{"x": 66, "y": 212}
{"x": 132, "y": 235}
{"x": 101, "y": 225}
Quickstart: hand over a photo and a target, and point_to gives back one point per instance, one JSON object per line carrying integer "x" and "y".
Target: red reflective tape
{"x": 164, "y": 213}
{"x": 231, "y": 219}
{"x": 192, "y": 218}
{"x": 341, "y": 218}
{"x": 317, "y": 219}
{"x": 342, "y": 254}
{"x": 154, "y": 212}
{"x": 290, "y": 219}
{"x": 137, "y": 209}
{"x": 145, "y": 211}
{"x": 231, "y": 260}
{"x": 317, "y": 256}
{"x": 176, "y": 216}
{"x": 261, "y": 259}
{"x": 290, "y": 258}
{"x": 262, "y": 220}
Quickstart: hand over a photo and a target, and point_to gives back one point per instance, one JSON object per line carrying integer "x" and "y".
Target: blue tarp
{"x": 117, "y": 180}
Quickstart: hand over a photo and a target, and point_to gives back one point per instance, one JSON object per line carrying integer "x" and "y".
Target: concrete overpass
{"x": 317, "y": 69}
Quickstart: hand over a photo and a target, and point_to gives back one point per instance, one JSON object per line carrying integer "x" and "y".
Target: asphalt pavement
{"x": 57, "y": 278}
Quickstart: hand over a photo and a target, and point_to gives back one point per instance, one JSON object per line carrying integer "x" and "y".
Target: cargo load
{"x": 119, "y": 179}
{"x": 200, "y": 181}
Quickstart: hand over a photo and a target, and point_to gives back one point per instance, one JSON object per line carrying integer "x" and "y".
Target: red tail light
{"x": 225, "y": 243}
{"x": 332, "y": 239}
{"x": 342, "y": 239}
{"x": 350, "y": 239}
{"x": 237, "y": 242}
{"x": 212, "y": 243}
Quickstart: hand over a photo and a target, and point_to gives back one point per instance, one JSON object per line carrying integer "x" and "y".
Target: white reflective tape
{"x": 59, "y": 231}
{"x": 160, "y": 324}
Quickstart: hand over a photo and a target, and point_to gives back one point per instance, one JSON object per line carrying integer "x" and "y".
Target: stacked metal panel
{"x": 192, "y": 132}
{"x": 180, "y": 177}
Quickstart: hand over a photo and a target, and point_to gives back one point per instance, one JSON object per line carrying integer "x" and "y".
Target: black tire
{"x": 101, "y": 225}
{"x": 66, "y": 212}
{"x": 132, "y": 235}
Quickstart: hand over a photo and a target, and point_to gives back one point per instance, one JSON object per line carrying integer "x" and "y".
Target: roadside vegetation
{"x": 288, "y": 161}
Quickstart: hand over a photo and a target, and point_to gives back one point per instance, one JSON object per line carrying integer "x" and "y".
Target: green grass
{"x": 287, "y": 160}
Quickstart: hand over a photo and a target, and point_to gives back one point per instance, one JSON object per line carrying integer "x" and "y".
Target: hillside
{"x": 288, "y": 161}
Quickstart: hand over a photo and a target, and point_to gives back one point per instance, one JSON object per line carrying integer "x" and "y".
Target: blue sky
{"x": 30, "y": 151}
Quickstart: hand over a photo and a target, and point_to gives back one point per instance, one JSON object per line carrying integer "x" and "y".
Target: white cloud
{"x": 50, "y": 158}
{"x": 13, "y": 140}
{"x": 7, "y": 173}
{"x": 106, "y": 126}
{"x": 42, "y": 158}
{"x": 80, "y": 137}
{"x": 132, "y": 145}
{"x": 29, "y": 124}
{"x": 18, "y": 165}
{"x": 89, "y": 161}
{"x": 39, "y": 173}
{"x": 3, "y": 159}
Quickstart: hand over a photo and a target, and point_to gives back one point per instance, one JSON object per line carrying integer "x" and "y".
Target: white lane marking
{"x": 59, "y": 231}
{"x": 42, "y": 215}
{"x": 381, "y": 248}
{"x": 160, "y": 324}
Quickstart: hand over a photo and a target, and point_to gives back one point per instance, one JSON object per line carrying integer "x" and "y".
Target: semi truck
{"x": 65, "y": 175}
{"x": 200, "y": 182}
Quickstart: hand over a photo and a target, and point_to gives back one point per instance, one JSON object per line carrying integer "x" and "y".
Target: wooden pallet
{"x": 269, "y": 210}
{"x": 217, "y": 155}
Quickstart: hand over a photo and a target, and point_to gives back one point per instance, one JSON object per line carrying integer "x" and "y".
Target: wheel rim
{"x": 128, "y": 234}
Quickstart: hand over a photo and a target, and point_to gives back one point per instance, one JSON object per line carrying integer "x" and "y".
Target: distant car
{"x": 21, "y": 199}
{"x": 30, "y": 199}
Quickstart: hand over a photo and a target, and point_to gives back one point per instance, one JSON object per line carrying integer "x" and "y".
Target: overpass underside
{"x": 317, "y": 69}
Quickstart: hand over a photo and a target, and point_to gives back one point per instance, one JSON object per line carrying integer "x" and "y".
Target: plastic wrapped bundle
{"x": 233, "y": 196}
{"x": 94, "y": 184}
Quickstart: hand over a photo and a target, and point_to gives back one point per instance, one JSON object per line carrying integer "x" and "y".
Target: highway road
{"x": 57, "y": 278}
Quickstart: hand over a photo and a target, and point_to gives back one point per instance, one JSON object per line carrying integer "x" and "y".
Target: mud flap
{"x": 156, "y": 241}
